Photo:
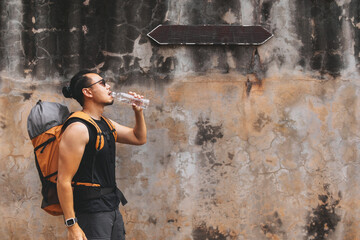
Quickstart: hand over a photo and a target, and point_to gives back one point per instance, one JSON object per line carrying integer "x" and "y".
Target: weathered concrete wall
{"x": 243, "y": 142}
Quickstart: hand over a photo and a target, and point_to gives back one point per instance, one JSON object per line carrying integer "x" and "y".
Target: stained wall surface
{"x": 244, "y": 142}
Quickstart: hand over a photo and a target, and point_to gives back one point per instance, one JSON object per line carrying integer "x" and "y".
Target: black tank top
{"x": 104, "y": 170}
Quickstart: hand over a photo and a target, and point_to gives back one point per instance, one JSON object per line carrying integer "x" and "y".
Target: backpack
{"x": 44, "y": 125}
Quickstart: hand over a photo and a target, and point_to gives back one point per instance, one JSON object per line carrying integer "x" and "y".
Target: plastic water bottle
{"x": 130, "y": 99}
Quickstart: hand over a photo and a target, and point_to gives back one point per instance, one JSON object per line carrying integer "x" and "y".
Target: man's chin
{"x": 110, "y": 103}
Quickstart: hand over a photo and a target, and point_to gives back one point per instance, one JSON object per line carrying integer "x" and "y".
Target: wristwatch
{"x": 70, "y": 221}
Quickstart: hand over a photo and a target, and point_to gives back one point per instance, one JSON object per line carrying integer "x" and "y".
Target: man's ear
{"x": 87, "y": 92}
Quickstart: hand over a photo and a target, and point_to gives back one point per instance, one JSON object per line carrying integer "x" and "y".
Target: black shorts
{"x": 102, "y": 225}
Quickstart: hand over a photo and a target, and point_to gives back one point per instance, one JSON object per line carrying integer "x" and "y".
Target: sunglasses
{"x": 101, "y": 81}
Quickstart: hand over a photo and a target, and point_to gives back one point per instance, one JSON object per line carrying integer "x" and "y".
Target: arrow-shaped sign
{"x": 209, "y": 35}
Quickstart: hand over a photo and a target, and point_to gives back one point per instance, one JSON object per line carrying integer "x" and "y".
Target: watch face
{"x": 70, "y": 222}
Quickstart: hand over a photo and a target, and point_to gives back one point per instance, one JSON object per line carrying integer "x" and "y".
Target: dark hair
{"x": 77, "y": 83}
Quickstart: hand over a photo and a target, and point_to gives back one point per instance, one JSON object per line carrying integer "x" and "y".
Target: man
{"x": 95, "y": 217}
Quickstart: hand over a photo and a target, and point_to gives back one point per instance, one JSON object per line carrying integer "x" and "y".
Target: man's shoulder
{"x": 76, "y": 133}
{"x": 77, "y": 122}
{"x": 77, "y": 129}
{"x": 77, "y": 126}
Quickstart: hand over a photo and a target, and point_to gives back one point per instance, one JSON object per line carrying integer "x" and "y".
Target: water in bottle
{"x": 130, "y": 99}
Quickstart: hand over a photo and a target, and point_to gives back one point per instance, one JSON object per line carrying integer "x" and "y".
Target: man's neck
{"x": 93, "y": 111}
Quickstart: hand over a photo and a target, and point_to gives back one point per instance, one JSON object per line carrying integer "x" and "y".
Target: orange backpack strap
{"x": 99, "y": 136}
{"x": 111, "y": 126}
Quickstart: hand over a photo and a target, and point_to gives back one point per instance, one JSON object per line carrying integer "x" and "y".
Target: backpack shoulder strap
{"x": 99, "y": 136}
{"x": 111, "y": 126}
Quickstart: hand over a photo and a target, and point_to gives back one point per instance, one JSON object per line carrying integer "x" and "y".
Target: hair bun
{"x": 67, "y": 92}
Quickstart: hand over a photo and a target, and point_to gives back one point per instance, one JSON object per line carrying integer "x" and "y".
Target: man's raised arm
{"x": 133, "y": 136}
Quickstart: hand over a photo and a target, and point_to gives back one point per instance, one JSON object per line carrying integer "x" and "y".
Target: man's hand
{"x": 76, "y": 233}
{"x": 136, "y": 108}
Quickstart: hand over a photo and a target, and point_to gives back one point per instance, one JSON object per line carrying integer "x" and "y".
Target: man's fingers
{"x": 136, "y": 95}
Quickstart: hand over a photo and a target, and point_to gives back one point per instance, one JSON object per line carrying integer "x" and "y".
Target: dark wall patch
{"x": 256, "y": 66}
{"x": 27, "y": 96}
{"x": 207, "y": 133}
{"x": 165, "y": 65}
{"x": 43, "y": 37}
{"x": 243, "y": 58}
{"x": 202, "y": 57}
{"x": 210, "y": 156}
{"x": 354, "y": 9}
{"x": 323, "y": 219}
{"x": 211, "y": 12}
{"x": 248, "y": 85}
{"x": 203, "y": 232}
{"x": 265, "y": 10}
{"x": 255, "y": 71}
{"x": 320, "y": 31}
{"x": 3, "y": 62}
{"x": 3, "y": 123}
{"x": 152, "y": 220}
{"x": 261, "y": 122}
{"x": 272, "y": 226}
{"x": 62, "y": 37}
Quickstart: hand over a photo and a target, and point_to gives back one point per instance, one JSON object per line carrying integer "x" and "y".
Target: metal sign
{"x": 209, "y": 35}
